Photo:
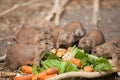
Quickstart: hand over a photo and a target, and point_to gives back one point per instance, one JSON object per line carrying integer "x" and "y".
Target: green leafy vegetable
{"x": 51, "y": 60}
{"x": 99, "y": 64}
{"x": 102, "y": 64}
{"x": 54, "y": 61}
{"x": 35, "y": 69}
{"x": 74, "y": 51}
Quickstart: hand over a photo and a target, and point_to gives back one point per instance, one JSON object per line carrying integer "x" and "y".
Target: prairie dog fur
{"x": 22, "y": 54}
{"x": 94, "y": 38}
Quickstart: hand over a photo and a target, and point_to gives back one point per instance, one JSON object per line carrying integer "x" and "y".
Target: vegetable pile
{"x": 61, "y": 61}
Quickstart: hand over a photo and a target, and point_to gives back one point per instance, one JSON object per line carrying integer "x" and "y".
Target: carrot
{"x": 26, "y": 69}
{"x": 51, "y": 71}
{"x": 24, "y": 77}
{"x": 75, "y": 61}
{"x": 87, "y": 68}
{"x": 49, "y": 76}
{"x": 69, "y": 48}
{"x": 61, "y": 52}
{"x": 54, "y": 51}
{"x": 39, "y": 76}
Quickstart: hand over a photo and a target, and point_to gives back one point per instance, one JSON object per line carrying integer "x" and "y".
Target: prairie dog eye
{"x": 84, "y": 42}
{"x": 45, "y": 32}
{"x": 46, "y": 42}
{"x": 67, "y": 36}
{"x": 40, "y": 44}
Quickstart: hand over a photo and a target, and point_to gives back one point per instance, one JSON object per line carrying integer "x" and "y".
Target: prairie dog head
{"x": 103, "y": 50}
{"x": 77, "y": 29}
{"x": 45, "y": 34}
{"x": 79, "y": 32}
{"x": 64, "y": 38}
{"x": 46, "y": 45}
{"x": 86, "y": 43}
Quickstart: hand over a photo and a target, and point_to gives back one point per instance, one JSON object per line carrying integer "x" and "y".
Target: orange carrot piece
{"x": 88, "y": 69}
{"x": 51, "y": 71}
{"x": 54, "y": 51}
{"x": 69, "y": 48}
{"x": 39, "y": 76}
{"x": 26, "y": 69}
{"x": 75, "y": 61}
{"x": 49, "y": 76}
{"x": 59, "y": 54}
{"x": 24, "y": 77}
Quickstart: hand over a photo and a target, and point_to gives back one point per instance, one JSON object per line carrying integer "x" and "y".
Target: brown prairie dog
{"x": 93, "y": 39}
{"x": 76, "y": 28}
{"x": 64, "y": 39}
{"x": 107, "y": 49}
{"x": 22, "y": 54}
{"x": 38, "y": 24}
{"x": 27, "y": 35}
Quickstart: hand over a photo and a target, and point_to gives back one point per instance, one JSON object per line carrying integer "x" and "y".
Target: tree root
{"x": 80, "y": 74}
{"x": 4, "y": 74}
{"x": 17, "y": 6}
{"x": 57, "y": 10}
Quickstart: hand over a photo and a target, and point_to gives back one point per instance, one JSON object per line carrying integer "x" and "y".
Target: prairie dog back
{"x": 27, "y": 35}
{"x": 98, "y": 36}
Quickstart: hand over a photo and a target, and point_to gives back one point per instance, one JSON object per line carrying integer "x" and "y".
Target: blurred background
{"x": 14, "y": 13}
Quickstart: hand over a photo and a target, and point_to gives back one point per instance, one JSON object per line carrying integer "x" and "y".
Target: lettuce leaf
{"x": 99, "y": 64}
{"x": 102, "y": 64}
{"x": 54, "y": 61}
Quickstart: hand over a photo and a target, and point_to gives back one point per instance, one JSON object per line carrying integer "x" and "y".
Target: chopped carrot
{"x": 88, "y": 69}
{"x": 49, "y": 76}
{"x": 39, "y": 76}
{"x": 26, "y": 69}
{"x": 54, "y": 51}
{"x": 59, "y": 54}
{"x": 24, "y": 77}
{"x": 69, "y": 48}
{"x": 62, "y": 50}
{"x": 51, "y": 71}
{"x": 75, "y": 61}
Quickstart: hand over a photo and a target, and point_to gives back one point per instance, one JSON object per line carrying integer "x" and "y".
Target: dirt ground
{"x": 76, "y": 10}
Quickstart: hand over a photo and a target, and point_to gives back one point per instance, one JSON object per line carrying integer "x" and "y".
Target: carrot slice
{"x": 39, "y": 76}
{"x": 49, "y": 76}
{"x": 54, "y": 51}
{"x": 26, "y": 69}
{"x": 88, "y": 69}
{"x": 24, "y": 77}
{"x": 69, "y": 48}
{"x": 75, "y": 61}
{"x": 51, "y": 71}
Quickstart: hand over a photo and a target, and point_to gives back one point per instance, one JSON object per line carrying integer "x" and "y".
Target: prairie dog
{"x": 38, "y": 24}
{"x": 64, "y": 39}
{"x": 22, "y": 54}
{"x": 27, "y": 35}
{"x": 94, "y": 38}
{"x": 76, "y": 28}
{"x": 107, "y": 49}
